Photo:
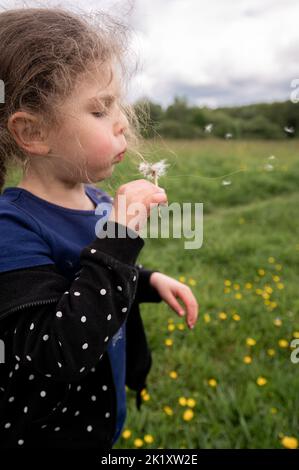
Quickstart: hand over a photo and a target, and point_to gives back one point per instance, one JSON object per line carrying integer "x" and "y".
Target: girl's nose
{"x": 122, "y": 123}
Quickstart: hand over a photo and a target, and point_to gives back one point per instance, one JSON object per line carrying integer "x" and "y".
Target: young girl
{"x": 69, "y": 298}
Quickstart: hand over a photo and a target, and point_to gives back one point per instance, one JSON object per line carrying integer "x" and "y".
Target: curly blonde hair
{"x": 44, "y": 51}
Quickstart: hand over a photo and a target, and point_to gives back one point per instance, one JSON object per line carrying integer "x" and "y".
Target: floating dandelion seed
{"x": 226, "y": 182}
{"x": 268, "y": 167}
{"x": 228, "y": 135}
{"x": 272, "y": 157}
{"x": 153, "y": 171}
{"x": 289, "y": 129}
{"x": 209, "y": 128}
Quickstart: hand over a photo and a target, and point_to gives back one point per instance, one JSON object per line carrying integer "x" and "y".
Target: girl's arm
{"x": 60, "y": 329}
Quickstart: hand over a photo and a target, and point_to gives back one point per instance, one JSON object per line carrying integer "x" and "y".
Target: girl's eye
{"x": 99, "y": 114}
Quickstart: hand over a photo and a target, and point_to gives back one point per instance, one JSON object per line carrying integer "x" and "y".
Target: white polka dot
{"x": 109, "y": 316}
{"x": 67, "y": 292}
{"x": 89, "y": 428}
{"x": 93, "y": 369}
{"x": 20, "y": 442}
{"x": 77, "y": 413}
{"x": 64, "y": 409}
{"x": 57, "y": 429}
{"x": 59, "y": 343}
{"x": 10, "y": 374}
{"x": 107, "y": 414}
{"x": 48, "y": 375}
{"x": 82, "y": 369}
{"x": 11, "y": 399}
{"x": 134, "y": 278}
{"x": 106, "y": 339}
{"x": 59, "y": 364}
{"x": 103, "y": 291}
{"x": 119, "y": 288}
{"x": 44, "y": 426}
{"x": 43, "y": 393}
{"x": 104, "y": 387}
{"x": 83, "y": 319}
{"x": 101, "y": 356}
{"x": 79, "y": 388}
{"x": 17, "y": 366}
{"x": 93, "y": 250}
{"x": 76, "y": 278}
{"x": 17, "y": 358}
{"x": 31, "y": 377}
{"x": 59, "y": 314}
{"x": 25, "y": 409}
{"x": 93, "y": 398}
{"x": 45, "y": 337}
{"x": 77, "y": 293}
{"x": 7, "y": 425}
{"x": 31, "y": 326}
{"x": 15, "y": 331}
{"x": 124, "y": 309}
{"x": 28, "y": 358}
{"x": 85, "y": 346}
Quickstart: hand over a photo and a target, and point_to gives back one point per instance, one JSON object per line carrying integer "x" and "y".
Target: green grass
{"x": 245, "y": 223}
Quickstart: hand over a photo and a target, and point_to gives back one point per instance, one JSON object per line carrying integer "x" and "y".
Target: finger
{"x": 174, "y": 304}
{"x": 191, "y": 305}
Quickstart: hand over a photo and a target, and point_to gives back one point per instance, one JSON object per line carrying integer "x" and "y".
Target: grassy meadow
{"x": 230, "y": 382}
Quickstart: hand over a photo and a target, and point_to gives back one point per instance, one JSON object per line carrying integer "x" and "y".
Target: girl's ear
{"x": 28, "y": 133}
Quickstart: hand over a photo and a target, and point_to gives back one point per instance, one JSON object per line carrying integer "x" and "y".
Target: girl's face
{"x": 92, "y": 131}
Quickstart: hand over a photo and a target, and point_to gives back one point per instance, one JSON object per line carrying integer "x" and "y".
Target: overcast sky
{"x": 215, "y": 53}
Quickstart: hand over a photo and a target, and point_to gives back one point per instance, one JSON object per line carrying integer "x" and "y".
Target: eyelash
{"x": 99, "y": 114}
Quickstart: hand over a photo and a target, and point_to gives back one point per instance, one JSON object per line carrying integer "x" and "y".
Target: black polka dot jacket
{"x": 55, "y": 334}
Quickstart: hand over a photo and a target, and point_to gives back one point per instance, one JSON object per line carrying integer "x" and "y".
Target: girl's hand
{"x": 170, "y": 289}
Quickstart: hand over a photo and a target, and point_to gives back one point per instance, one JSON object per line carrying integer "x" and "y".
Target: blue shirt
{"x": 36, "y": 232}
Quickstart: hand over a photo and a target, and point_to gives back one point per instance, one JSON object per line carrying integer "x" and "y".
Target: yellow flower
{"x": 168, "y": 410}
{"x": 250, "y": 342}
{"x": 261, "y": 381}
{"x": 276, "y": 278}
{"x": 212, "y": 383}
{"x": 271, "y": 260}
{"x": 222, "y": 316}
{"x": 148, "y": 438}
{"x": 143, "y": 392}
{"x": 289, "y": 442}
{"x": 182, "y": 401}
{"x": 259, "y": 291}
{"x": 238, "y": 295}
{"x": 278, "y": 267}
{"x": 126, "y": 434}
{"x": 277, "y": 322}
{"x": 236, "y": 317}
{"x": 146, "y": 397}
{"x": 296, "y": 334}
{"x": 192, "y": 282}
{"x": 182, "y": 279}
{"x": 271, "y": 352}
{"x": 168, "y": 342}
{"x": 265, "y": 295}
{"x": 267, "y": 302}
{"x": 283, "y": 343}
{"x": 247, "y": 359}
{"x": 226, "y": 290}
{"x": 227, "y": 283}
{"x": 173, "y": 374}
{"x": 191, "y": 402}
{"x": 171, "y": 327}
{"x": 273, "y": 411}
{"x": 261, "y": 272}
{"x": 280, "y": 286}
{"x": 268, "y": 289}
{"x": 273, "y": 305}
{"x": 188, "y": 415}
{"x": 207, "y": 318}
{"x": 181, "y": 326}
{"x": 248, "y": 285}
{"x": 236, "y": 286}
{"x": 138, "y": 442}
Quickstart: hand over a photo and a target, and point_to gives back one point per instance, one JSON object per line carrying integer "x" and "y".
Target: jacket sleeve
{"x": 63, "y": 339}
{"x": 145, "y": 292}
